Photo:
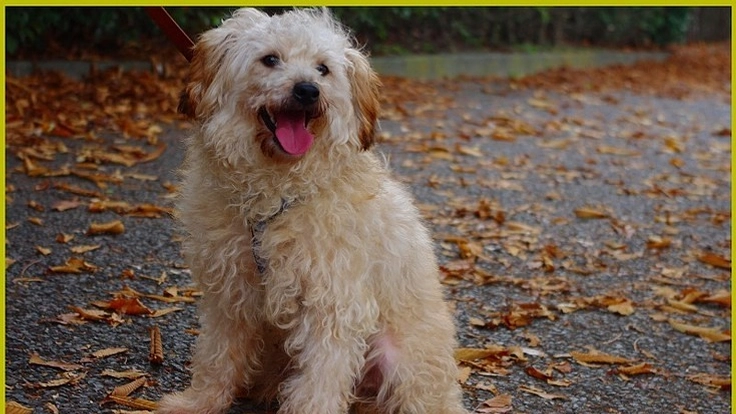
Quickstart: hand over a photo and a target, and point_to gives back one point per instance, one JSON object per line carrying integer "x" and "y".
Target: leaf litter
{"x": 485, "y": 240}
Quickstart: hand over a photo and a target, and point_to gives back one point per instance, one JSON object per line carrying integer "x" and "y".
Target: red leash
{"x": 166, "y": 23}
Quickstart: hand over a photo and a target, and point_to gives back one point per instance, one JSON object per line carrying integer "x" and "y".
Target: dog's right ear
{"x": 207, "y": 59}
{"x": 191, "y": 95}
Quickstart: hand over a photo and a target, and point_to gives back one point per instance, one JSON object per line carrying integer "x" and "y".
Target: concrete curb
{"x": 72, "y": 68}
{"x": 413, "y": 66}
{"x": 504, "y": 64}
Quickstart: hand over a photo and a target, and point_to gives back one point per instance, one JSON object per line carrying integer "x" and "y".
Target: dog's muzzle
{"x": 289, "y": 123}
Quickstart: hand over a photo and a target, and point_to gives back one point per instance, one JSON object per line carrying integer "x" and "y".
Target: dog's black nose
{"x": 306, "y": 93}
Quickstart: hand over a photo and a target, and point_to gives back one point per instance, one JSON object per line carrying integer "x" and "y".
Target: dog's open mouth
{"x": 289, "y": 129}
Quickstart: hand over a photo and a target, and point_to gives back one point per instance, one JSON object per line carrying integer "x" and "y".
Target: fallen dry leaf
{"x": 156, "y": 350}
{"x": 472, "y": 354}
{"x": 590, "y": 213}
{"x": 681, "y": 305}
{"x": 52, "y": 408}
{"x": 74, "y": 265}
{"x": 718, "y": 381}
{"x": 104, "y": 353}
{"x": 541, "y": 393}
{"x": 111, "y": 227}
{"x": 722, "y": 297}
{"x": 463, "y": 374}
{"x": 90, "y": 314}
{"x": 127, "y": 389}
{"x": 638, "y": 369}
{"x": 125, "y": 306}
{"x": 165, "y": 311}
{"x": 709, "y": 334}
{"x": 12, "y": 407}
{"x": 535, "y": 373}
{"x": 598, "y": 358}
{"x": 81, "y": 249}
{"x": 35, "y": 359}
{"x": 130, "y": 374}
{"x": 64, "y": 238}
{"x": 43, "y": 250}
{"x": 498, "y": 404}
{"x": 66, "y": 378}
{"x": 64, "y": 205}
{"x": 715, "y": 260}
{"x": 138, "y": 403}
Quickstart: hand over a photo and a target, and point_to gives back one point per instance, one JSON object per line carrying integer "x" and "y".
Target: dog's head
{"x": 286, "y": 81}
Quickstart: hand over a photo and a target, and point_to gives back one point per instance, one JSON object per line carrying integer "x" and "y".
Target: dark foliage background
{"x": 34, "y": 31}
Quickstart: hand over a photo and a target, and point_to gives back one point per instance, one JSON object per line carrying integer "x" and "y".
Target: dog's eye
{"x": 270, "y": 60}
{"x": 323, "y": 69}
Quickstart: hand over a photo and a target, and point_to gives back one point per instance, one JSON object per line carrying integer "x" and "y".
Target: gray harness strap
{"x": 256, "y": 230}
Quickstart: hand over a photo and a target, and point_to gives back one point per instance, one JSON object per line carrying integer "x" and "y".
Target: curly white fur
{"x": 348, "y": 311}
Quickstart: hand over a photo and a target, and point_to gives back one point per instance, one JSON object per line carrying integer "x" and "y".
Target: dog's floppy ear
{"x": 200, "y": 75}
{"x": 364, "y": 85}
{"x": 208, "y": 56}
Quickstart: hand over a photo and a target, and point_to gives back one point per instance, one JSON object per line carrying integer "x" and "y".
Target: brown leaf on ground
{"x": 64, "y": 238}
{"x": 718, "y": 381}
{"x": 74, "y": 265}
{"x": 472, "y": 354}
{"x": 125, "y": 306}
{"x": 638, "y": 369}
{"x": 104, "y": 353}
{"x": 519, "y": 315}
{"x": 715, "y": 260}
{"x": 598, "y": 358}
{"x": 590, "y": 213}
{"x": 721, "y": 297}
{"x": 43, "y": 250}
{"x": 12, "y": 407}
{"x": 709, "y": 334}
{"x": 111, "y": 227}
{"x": 84, "y": 248}
{"x": 130, "y": 374}
{"x": 35, "y": 359}
{"x": 90, "y": 314}
{"x": 541, "y": 393}
{"x": 64, "y": 379}
{"x": 535, "y": 373}
{"x": 156, "y": 351}
{"x": 127, "y": 389}
{"x": 137, "y": 403}
{"x": 73, "y": 189}
{"x": 496, "y": 405}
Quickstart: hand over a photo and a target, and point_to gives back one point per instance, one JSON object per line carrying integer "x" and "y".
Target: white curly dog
{"x": 320, "y": 284}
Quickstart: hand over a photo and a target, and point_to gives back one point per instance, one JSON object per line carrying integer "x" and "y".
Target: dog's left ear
{"x": 365, "y": 86}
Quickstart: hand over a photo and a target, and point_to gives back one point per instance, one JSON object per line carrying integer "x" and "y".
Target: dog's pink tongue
{"x": 291, "y": 133}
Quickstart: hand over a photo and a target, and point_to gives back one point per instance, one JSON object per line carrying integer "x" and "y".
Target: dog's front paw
{"x": 188, "y": 403}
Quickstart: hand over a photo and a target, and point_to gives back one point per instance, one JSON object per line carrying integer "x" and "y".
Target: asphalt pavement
{"x": 585, "y": 242}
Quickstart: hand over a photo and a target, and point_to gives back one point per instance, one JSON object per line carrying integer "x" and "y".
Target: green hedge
{"x": 31, "y": 30}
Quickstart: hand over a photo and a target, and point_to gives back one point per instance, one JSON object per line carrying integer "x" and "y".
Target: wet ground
{"x": 579, "y": 236}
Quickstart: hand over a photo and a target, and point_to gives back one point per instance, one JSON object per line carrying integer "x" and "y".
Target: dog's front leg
{"x": 226, "y": 354}
{"x": 327, "y": 356}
